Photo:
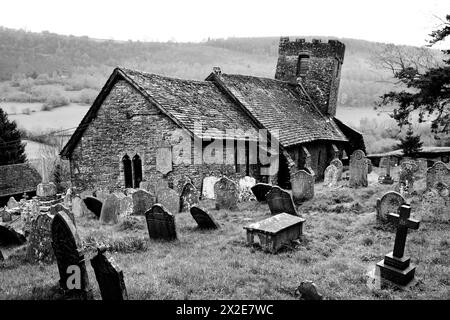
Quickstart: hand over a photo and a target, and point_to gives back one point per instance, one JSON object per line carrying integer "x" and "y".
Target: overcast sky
{"x": 396, "y": 21}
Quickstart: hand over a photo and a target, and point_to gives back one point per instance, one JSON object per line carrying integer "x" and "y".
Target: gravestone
{"x": 110, "y": 210}
{"x": 40, "y": 240}
{"x": 358, "y": 170}
{"x": 395, "y": 267}
{"x": 245, "y": 185}
{"x": 308, "y": 291}
{"x": 79, "y": 208}
{"x": 94, "y": 205}
{"x": 169, "y": 198}
{"x": 86, "y": 193}
{"x": 280, "y": 201}
{"x": 164, "y": 159}
{"x": 386, "y": 162}
{"x": 12, "y": 203}
{"x": 406, "y": 176}
{"x": 390, "y": 202}
{"x": 160, "y": 223}
{"x": 101, "y": 195}
{"x": 45, "y": 190}
{"x": 126, "y": 206}
{"x": 147, "y": 186}
{"x": 68, "y": 198}
{"x": 54, "y": 209}
{"x": 208, "y": 187}
{"x": 109, "y": 276}
{"x": 142, "y": 201}
{"x": 302, "y": 183}
{"x": 226, "y": 194}
{"x": 260, "y": 191}
{"x": 338, "y": 164}
{"x": 275, "y": 232}
{"x": 203, "y": 219}
{"x": 9, "y": 236}
{"x": 69, "y": 257}
{"x": 189, "y": 197}
{"x": 331, "y": 176}
{"x": 439, "y": 172}
{"x": 5, "y": 216}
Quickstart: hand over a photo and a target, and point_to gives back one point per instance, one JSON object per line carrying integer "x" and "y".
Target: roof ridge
{"x": 258, "y": 77}
{"x": 147, "y": 74}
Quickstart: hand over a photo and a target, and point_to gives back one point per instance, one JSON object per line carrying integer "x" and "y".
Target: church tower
{"x": 316, "y": 65}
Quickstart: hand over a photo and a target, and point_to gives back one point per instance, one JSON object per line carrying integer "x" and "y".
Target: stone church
{"x": 128, "y": 134}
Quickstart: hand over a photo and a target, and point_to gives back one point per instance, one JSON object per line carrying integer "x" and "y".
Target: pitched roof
{"x": 280, "y": 105}
{"x": 18, "y": 178}
{"x": 186, "y": 102}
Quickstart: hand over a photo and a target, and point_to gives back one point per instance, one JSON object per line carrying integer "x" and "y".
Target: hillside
{"x": 35, "y": 65}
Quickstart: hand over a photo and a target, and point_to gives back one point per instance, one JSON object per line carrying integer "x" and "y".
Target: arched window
{"x": 126, "y": 162}
{"x": 137, "y": 171}
{"x": 302, "y": 65}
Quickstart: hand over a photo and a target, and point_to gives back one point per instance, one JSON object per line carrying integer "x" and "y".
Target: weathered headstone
{"x": 12, "y": 203}
{"x": 79, "y": 208}
{"x": 395, "y": 267}
{"x": 358, "y": 170}
{"x": 386, "y": 162}
{"x": 260, "y": 191}
{"x": 147, "y": 186}
{"x": 86, "y": 193}
{"x": 142, "y": 201}
{"x": 126, "y": 206}
{"x": 308, "y": 291}
{"x": 9, "y": 236}
{"x": 331, "y": 176}
{"x": 208, "y": 187}
{"x": 101, "y": 195}
{"x": 390, "y": 202}
{"x": 54, "y": 209}
{"x": 338, "y": 164}
{"x": 203, "y": 218}
{"x": 226, "y": 194}
{"x": 245, "y": 185}
{"x": 109, "y": 276}
{"x": 164, "y": 158}
{"x": 439, "y": 172}
{"x": 110, "y": 210}
{"x": 280, "y": 201}
{"x": 160, "y": 223}
{"x": 69, "y": 257}
{"x": 169, "y": 198}
{"x": 5, "y": 215}
{"x": 94, "y": 205}
{"x": 406, "y": 176}
{"x": 40, "y": 240}
{"x": 189, "y": 197}
{"x": 302, "y": 183}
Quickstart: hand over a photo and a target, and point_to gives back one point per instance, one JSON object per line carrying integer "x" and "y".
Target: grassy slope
{"x": 341, "y": 243}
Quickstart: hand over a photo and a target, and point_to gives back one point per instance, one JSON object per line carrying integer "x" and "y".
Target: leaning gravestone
{"x": 358, "y": 170}
{"x": 260, "y": 191}
{"x": 439, "y": 172}
{"x": 302, "y": 183}
{"x": 331, "y": 176}
{"x": 40, "y": 241}
{"x": 54, "y": 209}
{"x": 12, "y": 203}
{"x": 280, "y": 201}
{"x": 338, "y": 164}
{"x": 189, "y": 197}
{"x": 208, "y": 187}
{"x": 69, "y": 257}
{"x": 226, "y": 194}
{"x": 110, "y": 210}
{"x": 142, "y": 201}
{"x": 109, "y": 276}
{"x": 94, "y": 205}
{"x": 245, "y": 185}
{"x": 9, "y": 236}
{"x": 160, "y": 223}
{"x": 390, "y": 202}
{"x": 203, "y": 219}
{"x": 169, "y": 198}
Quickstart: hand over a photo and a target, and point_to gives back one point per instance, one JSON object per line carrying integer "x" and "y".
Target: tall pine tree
{"x": 411, "y": 143}
{"x": 12, "y": 150}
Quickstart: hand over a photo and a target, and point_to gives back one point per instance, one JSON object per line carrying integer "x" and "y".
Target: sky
{"x": 392, "y": 21}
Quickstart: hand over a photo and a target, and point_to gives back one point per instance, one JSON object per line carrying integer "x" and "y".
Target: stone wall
{"x": 127, "y": 123}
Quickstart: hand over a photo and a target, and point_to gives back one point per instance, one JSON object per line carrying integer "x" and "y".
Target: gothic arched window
{"x": 126, "y": 162}
{"x": 137, "y": 171}
{"x": 302, "y": 65}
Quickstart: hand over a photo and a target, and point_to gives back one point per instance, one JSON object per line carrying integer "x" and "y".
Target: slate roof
{"x": 18, "y": 178}
{"x": 281, "y": 105}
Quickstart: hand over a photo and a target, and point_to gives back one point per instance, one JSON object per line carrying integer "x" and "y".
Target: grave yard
{"x": 341, "y": 242}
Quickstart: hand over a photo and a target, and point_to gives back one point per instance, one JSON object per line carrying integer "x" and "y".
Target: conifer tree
{"x": 12, "y": 149}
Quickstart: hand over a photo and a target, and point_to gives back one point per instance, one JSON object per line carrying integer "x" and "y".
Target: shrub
{"x": 55, "y": 100}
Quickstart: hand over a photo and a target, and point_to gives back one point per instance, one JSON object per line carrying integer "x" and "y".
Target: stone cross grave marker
{"x": 40, "y": 239}
{"x": 160, "y": 223}
{"x": 110, "y": 210}
{"x": 331, "y": 176}
{"x": 358, "y": 170}
{"x": 338, "y": 164}
{"x": 226, "y": 194}
{"x": 169, "y": 198}
{"x": 94, "y": 205}
{"x": 203, "y": 218}
{"x": 280, "y": 201}
{"x": 302, "y": 183}
{"x": 109, "y": 276}
{"x": 189, "y": 197}
{"x": 439, "y": 172}
{"x": 208, "y": 187}
{"x": 390, "y": 202}
{"x": 260, "y": 191}
{"x": 69, "y": 257}
{"x": 142, "y": 201}
{"x": 395, "y": 267}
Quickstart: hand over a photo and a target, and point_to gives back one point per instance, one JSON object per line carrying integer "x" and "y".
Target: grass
{"x": 337, "y": 250}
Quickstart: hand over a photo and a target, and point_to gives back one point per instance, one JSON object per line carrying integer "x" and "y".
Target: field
{"x": 341, "y": 243}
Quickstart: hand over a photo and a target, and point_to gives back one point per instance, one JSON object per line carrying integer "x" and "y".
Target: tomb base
{"x": 396, "y": 270}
